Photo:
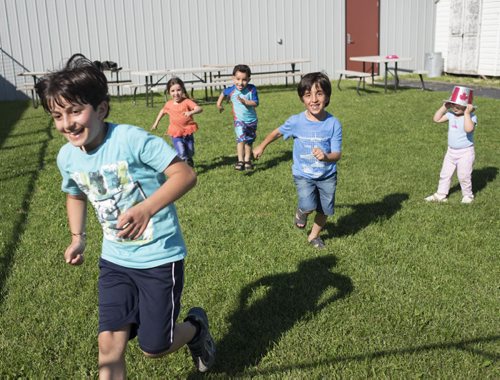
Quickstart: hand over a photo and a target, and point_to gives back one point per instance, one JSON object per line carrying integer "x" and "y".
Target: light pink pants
{"x": 462, "y": 160}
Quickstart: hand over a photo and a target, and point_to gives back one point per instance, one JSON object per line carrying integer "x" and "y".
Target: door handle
{"x": 349, "y": 39}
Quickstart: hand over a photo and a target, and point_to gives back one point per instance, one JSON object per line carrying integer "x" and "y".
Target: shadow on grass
{"x": 25, "y": 196}
{"x": 268, "y": 164}
{"x": 272, "y": 305}
{"x": 364, "y": 214}
{"x": 215, "y": 163}
{"x": 480, "y": 179}
{"x": 11, "y": 112}
{"x": 463, "y": 345}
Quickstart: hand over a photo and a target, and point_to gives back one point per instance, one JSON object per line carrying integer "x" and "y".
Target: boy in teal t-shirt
{"x": 123, "y": 170}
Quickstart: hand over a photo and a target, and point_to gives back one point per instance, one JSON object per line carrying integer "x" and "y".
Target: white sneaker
{"x": 468, "y": 199}
{"x": 436, "y": 198}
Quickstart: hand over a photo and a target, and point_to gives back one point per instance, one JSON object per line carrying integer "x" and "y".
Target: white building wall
{"x": 407, "y": 29}
{"x": 489, "y": 41}
{"x": 442, "y": 29}
{"x": 157, "y": 34}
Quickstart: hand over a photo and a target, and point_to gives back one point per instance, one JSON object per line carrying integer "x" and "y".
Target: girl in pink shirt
{"x": 180, "y": 110}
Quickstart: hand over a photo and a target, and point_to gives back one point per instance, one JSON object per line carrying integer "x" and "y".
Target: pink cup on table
{"x": 392, "y": 56}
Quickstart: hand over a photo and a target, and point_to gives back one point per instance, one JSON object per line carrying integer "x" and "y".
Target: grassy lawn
{"x": 405, "y": 289}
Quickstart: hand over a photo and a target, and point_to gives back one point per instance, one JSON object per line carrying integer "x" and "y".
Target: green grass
{"x": 405, "y": 289}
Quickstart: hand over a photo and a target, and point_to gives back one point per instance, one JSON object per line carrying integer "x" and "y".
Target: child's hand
{"x": 133, "y": 222}
{"x": 74, "y": 253}
{"x": 242, "y": 100}
{"x": 220, "y": 107}
{"x": 257, "y": 152}
{"x": 469, "y": 109}
{"x": 187, "y": 113}
{"x": 319, "y": 154}
{"x": 154, "y": 127}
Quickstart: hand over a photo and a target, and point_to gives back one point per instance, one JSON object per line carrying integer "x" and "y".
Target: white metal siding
{"x": 158, "y": 34}
{"x": 407, "y": 29}
{"x": 442, "y": 29}
{"x": 489, "y": 43}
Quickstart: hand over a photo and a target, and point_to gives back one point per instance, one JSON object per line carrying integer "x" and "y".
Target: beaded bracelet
{"x": 82, "y": 234}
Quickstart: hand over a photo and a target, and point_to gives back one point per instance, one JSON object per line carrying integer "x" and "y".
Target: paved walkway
{"x": 487, "y": 92}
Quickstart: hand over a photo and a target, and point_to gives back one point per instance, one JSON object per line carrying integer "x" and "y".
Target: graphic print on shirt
{"x": 112, "y": 191}
{"x": 310, "y": 164}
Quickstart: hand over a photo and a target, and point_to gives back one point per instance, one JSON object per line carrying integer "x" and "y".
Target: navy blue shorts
{"x": 149, "y": 300}
{"x": 316, "y": 194}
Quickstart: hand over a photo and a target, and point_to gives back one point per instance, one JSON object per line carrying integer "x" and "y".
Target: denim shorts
{"x": 148, "y": 300}
{"x": 316, "y": 194}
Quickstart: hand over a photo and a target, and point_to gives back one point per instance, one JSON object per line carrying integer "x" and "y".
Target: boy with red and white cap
{"x": 458, "y": 111}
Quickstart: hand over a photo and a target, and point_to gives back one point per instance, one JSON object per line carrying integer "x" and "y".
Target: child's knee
{"x": 112, "y": 343}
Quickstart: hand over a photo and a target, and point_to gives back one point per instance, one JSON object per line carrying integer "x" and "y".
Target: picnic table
{"x": 261, "y": 73}
{"x": 36, "y": 75}
{"x": 201, "y": 78}
{"x": 31, "y": 87}
{"x": 378, "y": 59}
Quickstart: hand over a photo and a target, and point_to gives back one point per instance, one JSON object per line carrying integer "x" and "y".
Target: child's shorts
{"x": 245, "y": 132}
{"x": 316, "y": 194}
{"x": 147, "y": 299}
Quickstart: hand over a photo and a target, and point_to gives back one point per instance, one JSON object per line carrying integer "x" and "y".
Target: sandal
{"x": 300, "y": 219}
{"x": 240, "y": 165}
{"x": 317, "y": 243}
{"x": 249, "y": 165}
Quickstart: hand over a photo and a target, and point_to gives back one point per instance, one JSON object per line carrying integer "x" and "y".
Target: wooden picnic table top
{"x": 187, "y": 70}
{"x": 380, "y": 58}
{"x": 33, "y": 73}
{"x": 263, "y": 63}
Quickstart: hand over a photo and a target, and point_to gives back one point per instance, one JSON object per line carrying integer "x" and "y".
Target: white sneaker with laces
{"x": 436, "y": 198}
{"x": 468, "y": 199}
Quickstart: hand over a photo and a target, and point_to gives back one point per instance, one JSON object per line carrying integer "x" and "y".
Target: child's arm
{"x": 327, "y": 157}
{"x": 259, "y": 150}
{"x": 194, "y": 111}
{"x": 76, "y": 207}
{"x": 440, "y": 115}
{"x": 248, "y": 102}
{"x": 468, "y": 123}
{"x": 220, "y": 107}
{"x": 181, "y": 179}
{"x": 158, "y": 118}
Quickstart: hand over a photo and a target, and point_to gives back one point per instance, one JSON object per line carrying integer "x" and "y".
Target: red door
{"x": 362, "y": 27}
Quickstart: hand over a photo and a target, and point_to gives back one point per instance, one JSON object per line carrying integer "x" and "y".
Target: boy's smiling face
{"x": 80, "y": 124}
{"x": 315, "y": 101}
{"x": 240, "y": 80}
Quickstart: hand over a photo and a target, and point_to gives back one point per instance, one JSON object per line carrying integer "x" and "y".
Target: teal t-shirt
{"x": 240, "y": 111}
{"x": 125, "y": 169}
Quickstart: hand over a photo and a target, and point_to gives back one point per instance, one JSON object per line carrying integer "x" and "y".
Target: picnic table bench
{"x": 353, "y": 74}
{"x": 420, "y": 73}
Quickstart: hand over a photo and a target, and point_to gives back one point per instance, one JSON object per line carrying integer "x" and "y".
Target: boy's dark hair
{"x": 174, "y": 80}
{"x": 242, "y": 69}
{"x": 79, "y": 82}
{"x": 309, "y": 80}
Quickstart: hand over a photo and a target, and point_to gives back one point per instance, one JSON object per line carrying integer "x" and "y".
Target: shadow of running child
{"x": 366, "y": 213}
{"x": 271, "y": 306}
